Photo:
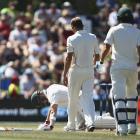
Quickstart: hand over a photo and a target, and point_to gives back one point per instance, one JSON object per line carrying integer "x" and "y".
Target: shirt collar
{"x": 125, "y": 24}
{"x": 81, "y": 31}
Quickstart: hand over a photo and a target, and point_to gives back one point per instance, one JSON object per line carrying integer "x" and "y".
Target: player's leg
{"x": 80, "y": 121}
{"x": 119, "y": 102}
{"x": 74, "y": 86}
{"x": 132, "y": 97}
{"x": 87, "y": 103}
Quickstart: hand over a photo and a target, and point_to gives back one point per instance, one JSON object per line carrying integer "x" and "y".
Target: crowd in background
{"x": 33, "y": 45}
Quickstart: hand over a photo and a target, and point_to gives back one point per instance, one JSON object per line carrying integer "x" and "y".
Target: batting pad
{"x": 105, "y": 122}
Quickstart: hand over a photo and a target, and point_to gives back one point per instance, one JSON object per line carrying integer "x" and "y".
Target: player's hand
{"x": 45, "y": 127}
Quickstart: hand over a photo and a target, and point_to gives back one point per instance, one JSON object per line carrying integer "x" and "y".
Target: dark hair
{"x": 77, "y": 23}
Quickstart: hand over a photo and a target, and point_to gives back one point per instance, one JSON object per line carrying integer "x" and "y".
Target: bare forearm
{"x": 66, "y": 67}
{"x": 48, "y": 116}
{"x": 96, "y": 58}
{"x": 51, "y": 114}
{"x": 67, "y": 64}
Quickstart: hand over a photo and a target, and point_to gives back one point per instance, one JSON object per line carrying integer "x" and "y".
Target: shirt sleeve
{"x": 69, "y": 46}
{"x": 109, "y": 37}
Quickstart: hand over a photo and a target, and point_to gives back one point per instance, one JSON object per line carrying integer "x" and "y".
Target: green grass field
{"x": 58, "y": 133}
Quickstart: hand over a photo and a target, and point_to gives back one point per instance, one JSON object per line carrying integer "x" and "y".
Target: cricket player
{"x": 124, "y": 40}
{"x": 82, "y": 47}
{"x": 57, "y": 95}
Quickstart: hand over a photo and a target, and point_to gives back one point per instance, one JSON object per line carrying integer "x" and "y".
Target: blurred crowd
{"x": 33, "y": 45}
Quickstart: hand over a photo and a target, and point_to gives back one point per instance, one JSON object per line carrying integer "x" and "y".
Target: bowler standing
{"x": 82, "y": 47}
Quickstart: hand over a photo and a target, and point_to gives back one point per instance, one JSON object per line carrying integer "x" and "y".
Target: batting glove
{"x": 99, "y": 66}
{"x": 45, "y": 127}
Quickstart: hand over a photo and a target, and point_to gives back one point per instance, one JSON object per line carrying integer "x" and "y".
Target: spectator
{"x": 14, "y": 89}
{"x": 17, "y": 34}
{"x": 27, "y": 30}
{"x": 101, "y": 23}
{"x": 29, "y": 13}
{"x": 53, "y": 12}
{"x": 65, "y": 17}
{"x": 33, "y": 58}
{"x": 101, "y": 3}
{"x": 41, "y": 14}
{"x": 10, "y": 11}
{"x": 10, "y": 71}
{"x": 65, "y": 29}
{"x": 112, "y": 19}
{"x": 4, "y": 28}
{"x": 54, "y": 34}
{"x": 28, "y": 83}
{"x": 43, "y": 76}
{"x": 42, "y": 31}
{"x": 68, "y": 6}
{"x": 32, "y": 39}
{"x": 136, "y": 14}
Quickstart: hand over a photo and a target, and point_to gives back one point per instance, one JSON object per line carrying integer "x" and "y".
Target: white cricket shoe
{"x": 45, "y": 127}
{"x": 68, "y": 129}
{"x": 90, "y": 128}
{"x": 81, "y": 127}
{"x": 122, "y": 130}
{"x": 132, "y": 129}
{"x": 121, "y": 134}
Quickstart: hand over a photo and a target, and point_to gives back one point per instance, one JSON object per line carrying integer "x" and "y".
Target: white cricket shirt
{"x": 83, "y": 45}
{"x": 57, "y": 94}
{"x": 124, "y": 39}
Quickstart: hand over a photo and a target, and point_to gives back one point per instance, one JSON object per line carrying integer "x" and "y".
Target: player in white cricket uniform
{"x": 124, "y": 40}
{"x": 57, "y": 95}
{"x": 81, "y": 47}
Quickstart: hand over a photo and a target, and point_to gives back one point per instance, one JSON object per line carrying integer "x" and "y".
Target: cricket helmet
{"x": 35, "y": 98}
{"x": 125, "y": 15}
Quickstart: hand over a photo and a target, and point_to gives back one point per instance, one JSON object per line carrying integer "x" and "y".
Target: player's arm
{"x": 67, "y": 64}
{"x": 52, "y": 114}
{"x": 48, "y": 117}
{"x": 68, "y": 60}
{"x": 105, "y": 52}
{"x": 109, "y": 41}
{"x": 96, "y": 58}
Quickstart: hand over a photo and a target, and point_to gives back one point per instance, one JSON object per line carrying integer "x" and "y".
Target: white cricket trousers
{"x": 76, "y": 77}
{"x": 124, "y": 84}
